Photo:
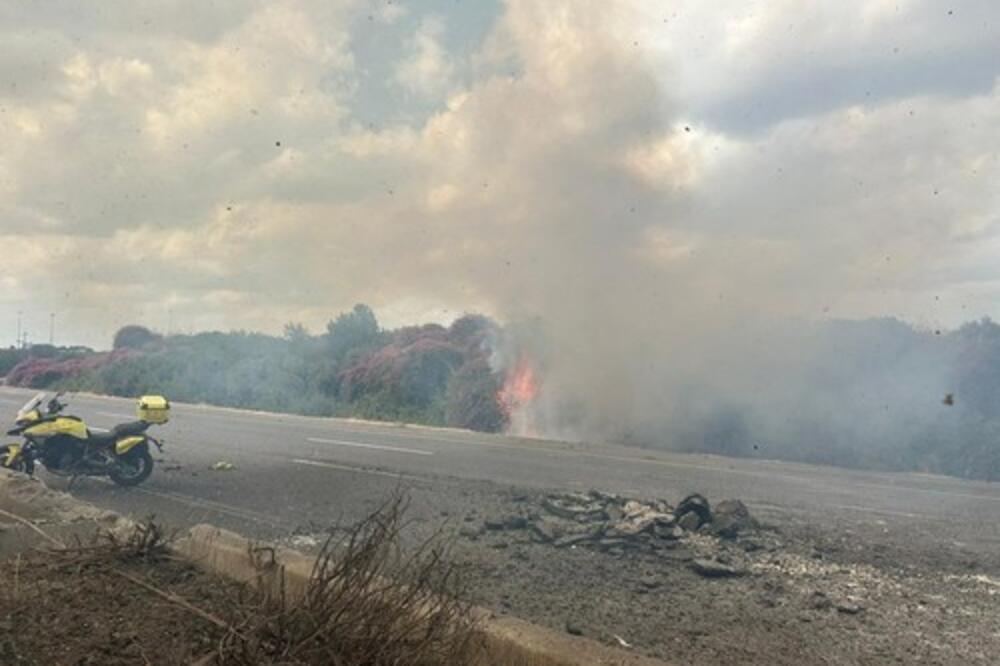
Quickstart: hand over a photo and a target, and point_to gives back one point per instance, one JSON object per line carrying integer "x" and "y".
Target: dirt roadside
{"x": 832, "y": 588}
{"x": 81, "y": 586}
{"x": 844, "y": 592}
{"x": 86, "y": 611}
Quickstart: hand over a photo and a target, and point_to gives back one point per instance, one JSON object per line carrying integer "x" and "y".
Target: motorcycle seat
{"x": 119, "y": 431}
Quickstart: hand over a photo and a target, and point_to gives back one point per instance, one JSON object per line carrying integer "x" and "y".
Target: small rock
{"x": 698, "y": 504}
{"x": 667, "y": 531}
{"x": 573, "y": 628}
{"x": 303, "y": 541}
{"x": 714, "y": 569}
{"x": 730, "y": 517}
{"x": 607, "y": 544}
{"x": 690, "y": 521}
{"x": 650, "y": 582}
{"x": 819, "y": 601}
{"x": 470, "y": 532}
{"x": 663, "y": 506}
{"x": 848, "y": 608}
{"x": 515, "y": 522}
{"x": 634, "y": 508}
{"x": 676, "y": 555}
{"x": 494, "y": 524}
{"x": 559, "y": 509}
{"x": 572, "y": 540}
{"x": 606, "y": 498}
{"x": 546, "y": 531}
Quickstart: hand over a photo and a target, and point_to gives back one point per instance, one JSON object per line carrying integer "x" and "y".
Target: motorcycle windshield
{"x": 32, "y": 404}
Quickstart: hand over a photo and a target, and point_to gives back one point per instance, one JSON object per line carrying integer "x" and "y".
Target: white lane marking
{"x": 349, "y": 468}
{"x": 884, "y": 512}
{"x": 361, "y": 445}
{"x": 117, "y": 415}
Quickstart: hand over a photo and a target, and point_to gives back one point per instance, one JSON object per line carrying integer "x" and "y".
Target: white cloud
{"x": 218, "y": 158}
{"x": 427, "y": 69}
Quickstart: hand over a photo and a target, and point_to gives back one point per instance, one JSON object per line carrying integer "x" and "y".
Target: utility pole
{"x": 52, "y": 327}
{"x": 18, "y": 329}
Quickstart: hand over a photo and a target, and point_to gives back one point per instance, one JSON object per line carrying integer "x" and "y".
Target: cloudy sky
{"x": 235, "y": 164}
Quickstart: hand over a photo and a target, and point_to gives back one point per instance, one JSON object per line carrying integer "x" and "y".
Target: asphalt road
{"x": 291, "y": 471}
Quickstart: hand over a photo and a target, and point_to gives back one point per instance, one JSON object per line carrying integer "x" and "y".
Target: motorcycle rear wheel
{"x": 133, "y": 468}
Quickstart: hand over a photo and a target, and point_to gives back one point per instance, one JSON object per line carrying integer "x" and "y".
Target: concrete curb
{"x": 507, "y": 640}
{"x": 32, "y": 514}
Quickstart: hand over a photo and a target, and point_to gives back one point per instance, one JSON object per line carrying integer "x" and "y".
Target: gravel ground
{"x": 835, "y": 586}
{"x": 846, "y": 591}
{"x": 810, "y": 595}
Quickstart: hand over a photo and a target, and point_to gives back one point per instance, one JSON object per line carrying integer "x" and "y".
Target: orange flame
{"x": 519, "y": 390}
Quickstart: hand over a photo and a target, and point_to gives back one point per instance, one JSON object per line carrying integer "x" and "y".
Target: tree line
{"x": 430, "y": 374}
{"x": 875, "y": 393}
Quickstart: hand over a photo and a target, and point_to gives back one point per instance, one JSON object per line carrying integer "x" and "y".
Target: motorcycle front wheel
{"x": 133, "y": 468}
{"x": 18, "y": 465}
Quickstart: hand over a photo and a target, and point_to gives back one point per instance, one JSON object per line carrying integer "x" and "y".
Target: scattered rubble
{"x": 610, "y": 522}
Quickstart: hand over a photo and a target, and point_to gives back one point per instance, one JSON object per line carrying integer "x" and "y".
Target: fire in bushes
{"x": 517, "y": 395}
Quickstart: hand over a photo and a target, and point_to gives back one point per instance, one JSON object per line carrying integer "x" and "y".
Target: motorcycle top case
{"x": 154, "y": 409}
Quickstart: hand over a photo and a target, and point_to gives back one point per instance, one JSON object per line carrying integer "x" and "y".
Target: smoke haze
{"x": 668, "y": 199}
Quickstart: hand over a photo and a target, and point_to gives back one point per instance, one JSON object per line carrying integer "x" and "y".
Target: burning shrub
{"x": 471, "y": 398}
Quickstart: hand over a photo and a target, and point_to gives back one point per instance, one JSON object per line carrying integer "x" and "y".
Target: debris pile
{"x": 611, "y": 522}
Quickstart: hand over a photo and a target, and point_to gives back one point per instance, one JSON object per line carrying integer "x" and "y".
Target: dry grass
{"x": 367, "y": 602}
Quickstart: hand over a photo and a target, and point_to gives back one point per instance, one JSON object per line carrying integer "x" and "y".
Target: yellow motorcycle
{"x": 65, "y": 446}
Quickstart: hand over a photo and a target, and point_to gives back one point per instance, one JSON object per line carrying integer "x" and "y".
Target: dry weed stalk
{"x": 367, "y": 602}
